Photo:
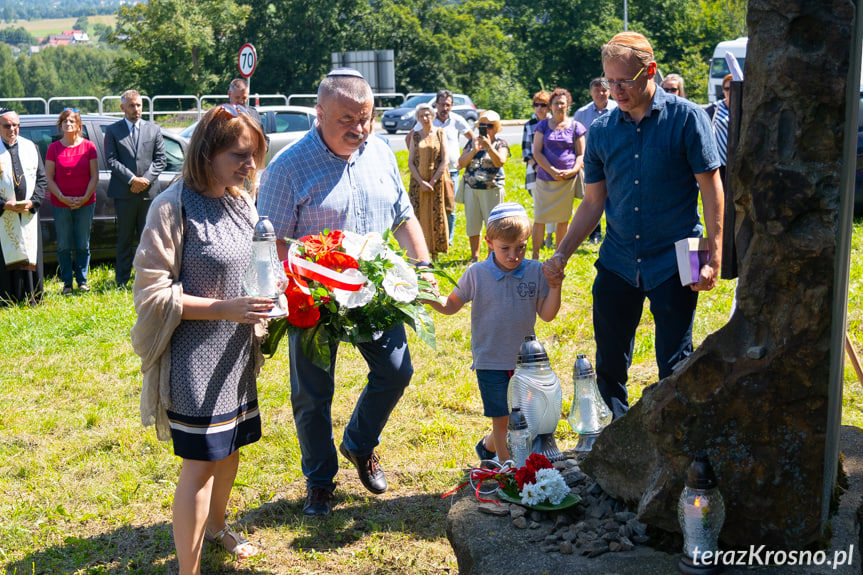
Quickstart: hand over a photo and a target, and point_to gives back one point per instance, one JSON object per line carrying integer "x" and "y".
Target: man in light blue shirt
{"x": 645, "y": 164}
{"x": 599, "y": 105}
{"x": 337, "y": 177}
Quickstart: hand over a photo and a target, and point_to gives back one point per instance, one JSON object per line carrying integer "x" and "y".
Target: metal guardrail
{"x": 378, "y": 96}
{"x": 303, "y": 96}
{"x": 10, "y": 100}
{"x": 256, "y": 98}
{"x": 77, "y": 100}
{"x": 109, "y": 105}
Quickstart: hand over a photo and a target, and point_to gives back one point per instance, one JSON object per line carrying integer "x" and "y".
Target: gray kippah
{"x": 506, "y": 210}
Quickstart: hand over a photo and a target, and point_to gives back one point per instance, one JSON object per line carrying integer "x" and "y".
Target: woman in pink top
{"x": 72, "y": 168}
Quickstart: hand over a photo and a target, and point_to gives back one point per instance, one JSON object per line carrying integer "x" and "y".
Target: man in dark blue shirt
{"x": 645, "y": 164}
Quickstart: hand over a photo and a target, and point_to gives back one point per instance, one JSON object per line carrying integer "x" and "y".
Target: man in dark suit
{"x": 136, "y": 156}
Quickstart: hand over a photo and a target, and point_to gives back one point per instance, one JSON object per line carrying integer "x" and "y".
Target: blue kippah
{"x": 506, "y": 210}
{"x": 345, "y": 72}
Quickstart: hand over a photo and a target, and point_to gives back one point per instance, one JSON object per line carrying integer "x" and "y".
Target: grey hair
{"x": 676, "y": 78}
{"x": 238, "y": 84}
{"x": 425, "y": 106}
{"x": 128, "y": 94}
{"x": 352, "y": 88}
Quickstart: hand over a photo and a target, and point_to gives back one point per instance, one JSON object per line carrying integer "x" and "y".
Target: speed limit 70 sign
{"x": 247, "y": 60}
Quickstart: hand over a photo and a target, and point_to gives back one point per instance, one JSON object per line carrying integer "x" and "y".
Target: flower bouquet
{"x": 349, "y": 287}
{"x": 537, "y": 485}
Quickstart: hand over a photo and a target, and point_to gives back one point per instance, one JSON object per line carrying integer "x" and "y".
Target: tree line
{"x": 497, "y": 51}
{"x": 16, "y": 10}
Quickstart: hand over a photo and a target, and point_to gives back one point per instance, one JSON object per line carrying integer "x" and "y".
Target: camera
{"x": 483, "y": 131}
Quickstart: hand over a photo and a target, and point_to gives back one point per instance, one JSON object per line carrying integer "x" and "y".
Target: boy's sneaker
{"x": 484, "y": 453}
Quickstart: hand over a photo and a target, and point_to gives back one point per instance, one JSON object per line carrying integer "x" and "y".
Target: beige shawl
{"x": 159, "y": 304}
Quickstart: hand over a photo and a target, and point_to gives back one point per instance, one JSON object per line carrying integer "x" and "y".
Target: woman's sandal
{"x": 239, "y": 541}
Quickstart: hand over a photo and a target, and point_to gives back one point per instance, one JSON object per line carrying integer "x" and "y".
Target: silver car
{"x": 282, "y": 125}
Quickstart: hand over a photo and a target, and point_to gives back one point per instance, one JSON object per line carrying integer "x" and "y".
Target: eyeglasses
{"x": 70, "y": 110}
{"x": 233, "y": 110}
{"x": 486, "y": 126}
{"x": 622, "y": 84}
{"x": 540, "y": 105}
{"x": 726, "y": 88}
{"x": 8, "y": 126}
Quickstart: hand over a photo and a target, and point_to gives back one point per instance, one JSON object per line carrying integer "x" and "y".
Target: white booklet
{"x": 692, "y": 255}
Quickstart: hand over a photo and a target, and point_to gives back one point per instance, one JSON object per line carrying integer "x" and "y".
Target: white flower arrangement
{"x": 549, "y": 485}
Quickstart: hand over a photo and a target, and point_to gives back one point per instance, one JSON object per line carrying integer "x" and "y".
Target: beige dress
{"x": 429, "y": 206}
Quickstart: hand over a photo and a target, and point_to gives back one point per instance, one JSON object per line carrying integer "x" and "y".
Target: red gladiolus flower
{"x": 301, "y": 308}
{"x": 314, "y": 245}
{"x": 337, "y": 261}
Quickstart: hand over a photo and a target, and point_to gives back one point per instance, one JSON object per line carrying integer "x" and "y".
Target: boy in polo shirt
{"x": 507, "y": 293}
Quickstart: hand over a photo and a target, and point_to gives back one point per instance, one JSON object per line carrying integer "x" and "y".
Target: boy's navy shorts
{"x": 493, "y": 385}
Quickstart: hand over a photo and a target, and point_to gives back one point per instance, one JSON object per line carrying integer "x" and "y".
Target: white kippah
{"x": 345, "y": 72}
{"x": 506, "y": 210}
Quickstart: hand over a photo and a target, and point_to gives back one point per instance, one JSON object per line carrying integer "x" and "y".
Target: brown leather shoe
{"x": 369, "y": 469}
{"x": 317, "y": 502}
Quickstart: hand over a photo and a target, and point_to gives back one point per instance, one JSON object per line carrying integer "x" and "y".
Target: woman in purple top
{"x": 558, "y": 148}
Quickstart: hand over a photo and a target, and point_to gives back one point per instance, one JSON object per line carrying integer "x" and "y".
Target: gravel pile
{"x": 595, "y": 525}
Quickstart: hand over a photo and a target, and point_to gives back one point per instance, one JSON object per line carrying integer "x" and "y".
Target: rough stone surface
{"x": 490, "y": 545}
{"x": 754, "y": 395}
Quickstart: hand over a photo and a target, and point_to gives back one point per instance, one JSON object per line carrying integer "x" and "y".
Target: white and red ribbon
{"x": 348, "y": 280}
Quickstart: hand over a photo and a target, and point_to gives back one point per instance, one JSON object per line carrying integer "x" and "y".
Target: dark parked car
{"x": 42, "y": 130}
{"x": 404, "y": 117}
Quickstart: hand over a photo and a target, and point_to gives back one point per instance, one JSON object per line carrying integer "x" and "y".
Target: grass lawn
{"x": 48, "y": 26}
{"x": 85, "y": 489}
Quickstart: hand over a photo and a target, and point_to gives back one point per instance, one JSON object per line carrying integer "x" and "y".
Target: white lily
{"x": 352, "y": 299}
{"x": 400, "y": 281}
{"x": 365, "y": 247}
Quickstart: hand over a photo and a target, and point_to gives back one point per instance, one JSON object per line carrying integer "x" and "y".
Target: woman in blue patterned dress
{"x": 196, "y": 330}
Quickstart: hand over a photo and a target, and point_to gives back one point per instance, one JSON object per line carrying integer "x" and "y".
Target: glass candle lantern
{"x": 536, "y": 389}
{"x": 589, "y": 413}
{"x": 265, "y": 276}
{"x": 701, "y": 512}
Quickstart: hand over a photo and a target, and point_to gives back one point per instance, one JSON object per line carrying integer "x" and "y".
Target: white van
{"x": 719, "y": 67}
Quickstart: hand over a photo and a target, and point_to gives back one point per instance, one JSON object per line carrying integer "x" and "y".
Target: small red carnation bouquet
{"x": 349, "y": 287}
{"x": 536, "y": 484}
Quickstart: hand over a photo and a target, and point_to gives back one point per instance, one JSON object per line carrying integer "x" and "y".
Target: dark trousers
{"x": 312, "y": 391}
{"x": 131, "y": 217}
{"x": 617, "y": 307}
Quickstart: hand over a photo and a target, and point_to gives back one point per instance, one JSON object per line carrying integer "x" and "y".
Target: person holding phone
{"x": 483, "y": 159}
